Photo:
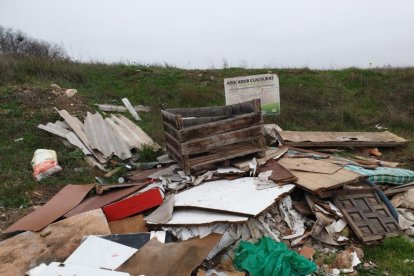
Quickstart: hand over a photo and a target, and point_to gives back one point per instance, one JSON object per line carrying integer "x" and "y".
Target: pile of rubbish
{"x": 276, "y": 214}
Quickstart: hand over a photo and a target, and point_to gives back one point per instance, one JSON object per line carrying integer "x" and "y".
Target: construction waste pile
{"x": 232, "y": 196}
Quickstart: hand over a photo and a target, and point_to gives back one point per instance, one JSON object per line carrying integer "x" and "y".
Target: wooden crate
{"x": 200, "y": 136}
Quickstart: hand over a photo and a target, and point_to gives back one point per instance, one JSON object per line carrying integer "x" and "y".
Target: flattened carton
{"x": 264, "y": 87}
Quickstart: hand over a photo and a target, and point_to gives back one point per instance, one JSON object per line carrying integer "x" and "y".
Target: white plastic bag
{"x": 44, "y": 164}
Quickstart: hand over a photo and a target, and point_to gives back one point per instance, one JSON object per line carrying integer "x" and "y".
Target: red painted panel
{"x": 132, "y": 205}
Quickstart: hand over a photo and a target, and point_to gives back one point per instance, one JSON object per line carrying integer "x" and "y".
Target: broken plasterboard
{"x": 197, "y": 217}
{"x": 340, "y": 139}
{"x": 100, "y": 253}
{"x": 236, "y": 196}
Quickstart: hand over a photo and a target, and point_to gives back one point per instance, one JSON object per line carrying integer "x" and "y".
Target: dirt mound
{"x": 35, "y": 99}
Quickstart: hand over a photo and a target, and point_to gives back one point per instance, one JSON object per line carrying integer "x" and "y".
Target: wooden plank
{"x": 340, "y": 139}
{"x": 235, "y": 123}
{"x": 201, "y": 111}
{"x": 195, "y": 121}
{"x": 171, "y": 118}
{"x": 174, "y": 154}
{"x": 223, "y": 153}
{"x": 168, "y": 128}
{"x": 222, "y": 139}
{"x": 170, "y": 140}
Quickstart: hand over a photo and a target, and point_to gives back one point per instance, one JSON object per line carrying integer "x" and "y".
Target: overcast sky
{"x": 201, "y": 34}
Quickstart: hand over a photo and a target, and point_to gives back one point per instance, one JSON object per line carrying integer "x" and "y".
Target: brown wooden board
{"x": 340, "y": 139}
{"x": 367, "y": 215}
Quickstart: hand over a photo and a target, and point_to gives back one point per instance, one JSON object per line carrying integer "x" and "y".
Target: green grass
{"x": 390, "y": 256}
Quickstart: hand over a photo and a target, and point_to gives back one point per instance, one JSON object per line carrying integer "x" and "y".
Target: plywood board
{"x": 61, "y": 203}
{"x": 309, "y": 165}
{"x": 316, "y": 182}
{"x": 235, "y": 196}
{"x": 340, "y": 139}
{"x": 132, "y": 224}
{"x": 197, "y": 217}
{"x": 100, "y": 253}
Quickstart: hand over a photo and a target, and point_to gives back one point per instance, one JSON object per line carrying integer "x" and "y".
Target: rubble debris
{"x": 131, "y": 109}
{"x": 307, "y": 252}
{"x": 367, "y": 215}
{"x": 238, "y": 196}
{"x": 339, "y": 139}
{"x": 71, "y": 92}
{"x": 178, "y": 258}
{"x": 98, "y": 201}
{"x": 127, "y": 225}
{"x": 119, "y": 108}
{"x": 405, "y": 200}
{"x": 134, "y": 204}
{"x": 61, "y": 203}
{"x": 219, "y": 133}
{"x": 54, "y": 243}
{"x": 406, "y": 220}
{"x": 163, "y": 213}
{"x": 198, "y": 217}
{"x": 399, "y": 189}
{"x": 271, "y": 153}
{"x": 280, "y": 175}
{"x": 106, "y": 254}
{"x": 380, "y": 175}
{"x": 347, "y": 260}
{"x": 268, "y": 257}
{"x": 44, "y": 164}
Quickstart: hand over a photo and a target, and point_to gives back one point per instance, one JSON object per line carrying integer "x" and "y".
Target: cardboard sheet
{"x": 197, "y": 217}
{"x": 100, "y": 253}
{"x": 61, "y": 203}
{"x": 181, "y": 258}
{"x": 134, "y": 224}
{"x": 238, "y": 196}
{"x": 309, "y": 165}
{"x": 98, "y": 201}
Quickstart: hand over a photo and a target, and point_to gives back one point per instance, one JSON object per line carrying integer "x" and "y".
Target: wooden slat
{"x": 169, "y": 140}
{"x": 195, "y": 121}
{"x": 173, "y": 119}
{"x": 174, "y": 154}
{"x": 201, "y": 111}
{"x": 224, "y": 153}
{"x": 168, "y": 128}
{"x": 222, "y": 139}
{"x": 238, "y": 122}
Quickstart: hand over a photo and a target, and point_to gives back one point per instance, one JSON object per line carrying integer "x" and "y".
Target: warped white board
{"x": 97, "y": 252}
{"x": 238, "y": 196}
{"x": 197, "y": 217}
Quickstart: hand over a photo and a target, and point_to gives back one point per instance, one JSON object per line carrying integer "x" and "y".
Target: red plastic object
{"x": 132, "y": 205}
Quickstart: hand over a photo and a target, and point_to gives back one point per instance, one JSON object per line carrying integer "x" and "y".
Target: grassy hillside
{"x": 350, "y": 99}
